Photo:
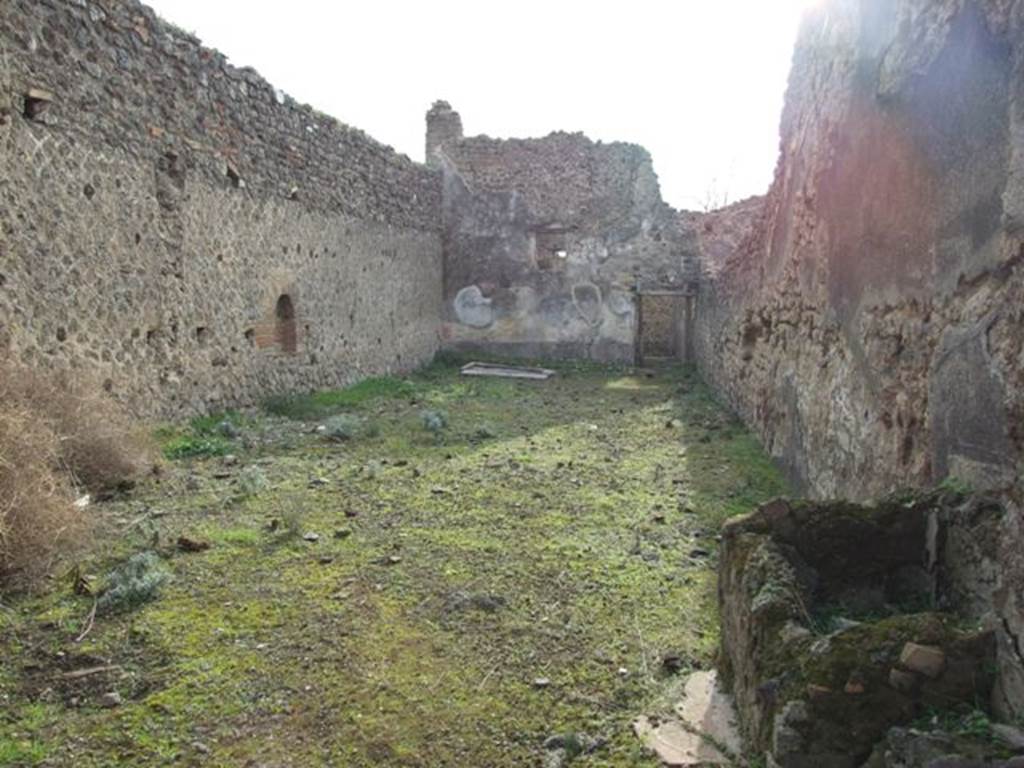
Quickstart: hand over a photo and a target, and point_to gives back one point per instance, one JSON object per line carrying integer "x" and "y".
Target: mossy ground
{"x": 562, "y": 530}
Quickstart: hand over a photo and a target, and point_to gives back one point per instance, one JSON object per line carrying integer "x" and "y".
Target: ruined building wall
{"x": 871, "y": 325}
{"x": 177, "y": 228}
{"x": 546, "y": 241}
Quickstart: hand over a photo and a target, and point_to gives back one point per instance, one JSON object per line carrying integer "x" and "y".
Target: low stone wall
{"x": 840, "y": 622}
{"x": 188, "y": 235}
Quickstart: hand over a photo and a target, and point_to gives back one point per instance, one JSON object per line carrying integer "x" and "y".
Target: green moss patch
{"x": 398, "y": 599}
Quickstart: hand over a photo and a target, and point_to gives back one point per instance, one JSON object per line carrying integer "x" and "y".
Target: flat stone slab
{"x": 506, "y": 371}
{"x": 707, "y": 708}
{"x": 706, "y": 721}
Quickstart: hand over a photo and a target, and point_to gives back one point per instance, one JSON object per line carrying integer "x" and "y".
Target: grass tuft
{"x": 342, "y": 428}
{"x": 252, "y": 481}
{"x": 191, "y": 447}
{"x": 320, "y": 405}
{"x": 135, "y": 582}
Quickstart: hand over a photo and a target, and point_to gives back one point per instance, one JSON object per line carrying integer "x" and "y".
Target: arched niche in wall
{"x": 286, "y": 336}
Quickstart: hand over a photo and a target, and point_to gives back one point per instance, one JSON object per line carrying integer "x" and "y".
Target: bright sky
{"x": 699, "y": 83}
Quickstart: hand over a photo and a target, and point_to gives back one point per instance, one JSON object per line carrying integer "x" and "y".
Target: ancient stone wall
{"x": 547, "y": 240}
{"x": 871, "y": 325}
{"x": 195, "y": 239}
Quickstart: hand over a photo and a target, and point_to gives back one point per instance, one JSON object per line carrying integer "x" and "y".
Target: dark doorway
{"x": 285, "y": 333}
{"x": 659, "y": 327}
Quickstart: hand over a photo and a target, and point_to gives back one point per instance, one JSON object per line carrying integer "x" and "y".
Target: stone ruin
{"x": 551, "y": 245}
{"x": 840, "y": 622}
{"x": 192, "y": 237}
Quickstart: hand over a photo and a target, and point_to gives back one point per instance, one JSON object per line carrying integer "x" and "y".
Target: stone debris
{"x": 185, "y": 544}
{"x": 676, "y": 746}
{"x": 924, "y": 659}
{"x": 111, "y": 700}
{"x": 1011, "y": 736}
{"x": 904, "y": 682}
{"x": 706, "y": 731}
{"x": 561, "y": 748}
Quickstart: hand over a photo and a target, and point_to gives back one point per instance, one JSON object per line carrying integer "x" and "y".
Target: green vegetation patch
{"x": 203, "y": 436}
{"x": 406, "y": 600}
{"x": 315, "y": 406}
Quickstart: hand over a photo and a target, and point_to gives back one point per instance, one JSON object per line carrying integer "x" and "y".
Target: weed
{"x": 976, "y": 724}
{"x": 252, "y": 481}
{"x": 968, "y": 722}
{"x": 956, "y": 486}
{"x": 195, "y": 446}
{"x": 435, "y": 422}
{"x": 135, "y": 582}
{"x": 343, "y": 427}
{"x": 293, "y": 516}
{"x": 223, "y": 424}
{"x": 485, "y": 432}
{"x": 13, "y": 752}
{"x": 320, "y": 405}
{"x": 205, "y": 436}
{"x": 99, "y": 445}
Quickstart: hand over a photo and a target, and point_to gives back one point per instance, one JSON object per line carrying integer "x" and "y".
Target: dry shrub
{"x": 59, "y": 436}
{"x": 101, "y": 446}
{"x": 38, "y": 518}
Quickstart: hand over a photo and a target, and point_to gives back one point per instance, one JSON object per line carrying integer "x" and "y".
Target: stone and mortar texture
{"x": 841, "y": 621}
{"x": 154, "y": 213}
{"x": 548, "y": 240}
{"x": 870, "y": 323}
{"x": 865, "y": 318}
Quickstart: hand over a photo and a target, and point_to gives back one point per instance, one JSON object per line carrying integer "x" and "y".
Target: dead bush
{"x": 59, "y": 436}
{"x": 100, "y": 445}
{"x": 38, "y": 518}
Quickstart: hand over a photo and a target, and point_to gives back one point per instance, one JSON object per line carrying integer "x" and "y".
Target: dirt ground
{"x": 540, "y": 570}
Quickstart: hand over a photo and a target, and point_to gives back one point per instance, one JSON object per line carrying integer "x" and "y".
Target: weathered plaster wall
{"x": 870, "y": 326}
{"x": 153, "y": 214}
{"x": 546, "y": 241}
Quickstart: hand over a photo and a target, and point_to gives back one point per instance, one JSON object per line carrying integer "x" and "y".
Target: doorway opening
{"x": 285, "y": 332}
{"x": 661, "y": 327}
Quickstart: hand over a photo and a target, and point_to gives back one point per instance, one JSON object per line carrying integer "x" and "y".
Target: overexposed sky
{"x": 699, "y": 83}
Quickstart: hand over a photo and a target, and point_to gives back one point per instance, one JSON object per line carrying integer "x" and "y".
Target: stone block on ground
{"x": 705, "y": 733}
{"x": 923, "y": 659}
